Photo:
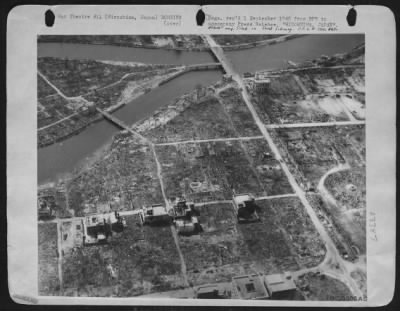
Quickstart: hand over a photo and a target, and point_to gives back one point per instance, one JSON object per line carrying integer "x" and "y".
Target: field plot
{"x": 348, "y": 213}
{"x": 49, "y": 283}
{"x": 348, "y": 188}
{"x": 268, "y": 168}
{"x": 322, "y": 287}
{"x": 238, "y": 112}
{"x": 312, "y": 152}
{"x": 313, "y": 95}
{"x": 138, "y": 261}
{"x": 126, "y": 178}
{"x": 212, "y": 170}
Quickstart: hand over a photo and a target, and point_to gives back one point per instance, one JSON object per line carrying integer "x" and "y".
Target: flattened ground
{"x": 200, "y": 120}
{"x": 313, "y": 151}
{"x": 213, "y": 170}
{"x": 220, "y": 116}
{"x": 49, "y": 283}
{"x": 138, "y": 261}
{"x": 313, "y": 95}
{"x": 283, "y": 240}
{"x": 126, "y": 176}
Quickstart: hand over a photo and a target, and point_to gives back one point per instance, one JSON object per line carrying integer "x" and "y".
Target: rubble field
{"x": 44, "y": 89}
{"x": 241, "y": 39}
{"x": 313, "y": 95}
{"x": 320, "y": 287}
{"x": 49, "y": 283}
{"x": 213, "y": 170}
{"x": 87, "y": 85}
{"x": 239, "y": 114}
{"x": 204, "y": 119}
{"x": 205, "y": 115}
{"x": 140, "y": 260}
{"x": 348, "y": 188}
{"x": 283, "y": 240}
{"x": 181, "y": 42}
{"x": 125, "y": 177}
{"x": 217, "y": 253}
{"x": 312, "y": 151}
{"x": 77, "y": 77}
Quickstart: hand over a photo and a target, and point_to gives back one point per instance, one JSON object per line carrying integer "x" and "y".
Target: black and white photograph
{"x": 246, "y": 163}
{"x": 202, "y": 166}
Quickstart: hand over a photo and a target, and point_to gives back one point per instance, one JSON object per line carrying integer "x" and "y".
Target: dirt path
{"x": 315, "y": 124}
{"x": 59, "y": 121}
{"x": 182, "y": 259}
{"x": 209, "y": 140}
{"x": 321, "y": 184}
{"x": 60, "y": 257}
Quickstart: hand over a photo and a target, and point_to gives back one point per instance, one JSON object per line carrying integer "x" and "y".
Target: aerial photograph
{"x": 202, "y": 166}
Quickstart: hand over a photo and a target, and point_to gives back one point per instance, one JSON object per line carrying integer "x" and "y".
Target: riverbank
{"x": 131, "y": 92}
{"x": 244, "y": 46}
{"x": 188, "y": 48}
{"x": 56, "y": 159}
{"x": 191, "y": 43}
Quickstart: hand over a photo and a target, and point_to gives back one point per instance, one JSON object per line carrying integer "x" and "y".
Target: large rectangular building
{"x": 250, "y": 287}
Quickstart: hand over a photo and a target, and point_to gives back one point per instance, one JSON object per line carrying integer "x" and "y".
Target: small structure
{"x": 179, "y": 42}
{"x": 248, "y": 75}
{"x": 185, "y": 219}
{"x": 227, "y": 78}
{"x": 262, "y": 82}
{"x": 89, "y": 108}
{"x": 156, "y": 214}
{"x": 280, "y": 286}
{"x": 250, "y": 287}
{"x": 97, "y": 228}
{"x": 212, "y": 291}
{"x": 245, "y": 207}
{"x": 45, "y": 211}
{"x": 182, "y": 209}
{"x": 351, "y": 188}
{"x": 292, "y": 136}
{"x": 188, "y": 226}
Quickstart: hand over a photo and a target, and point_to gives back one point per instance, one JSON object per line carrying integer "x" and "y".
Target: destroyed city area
{"x": 202, "y": 166}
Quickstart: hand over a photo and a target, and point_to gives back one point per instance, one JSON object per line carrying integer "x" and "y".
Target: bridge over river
{"x": 120, "y": 123}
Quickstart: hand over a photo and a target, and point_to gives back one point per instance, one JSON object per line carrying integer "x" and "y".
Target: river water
{"x": 56, "y": 160}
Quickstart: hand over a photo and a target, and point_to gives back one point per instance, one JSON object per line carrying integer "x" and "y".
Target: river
{"x": 59, "y": 159}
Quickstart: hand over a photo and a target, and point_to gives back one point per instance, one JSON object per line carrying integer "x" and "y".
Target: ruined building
{"x": 156, "y": 214}
{"x": 260, "y": 286}
{"x": 97, "y": 228}
{"x": 185, "y": 217}
{"x": 245, "y": 208}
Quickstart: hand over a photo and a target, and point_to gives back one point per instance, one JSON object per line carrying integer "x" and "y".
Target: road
{"x": 321, "y": 184}
{"x": 196, "y": 141}
{"x": 58, "y": 90}
{"x": 316, "y": 124}
{"x": 332, "y": 254}
{"x": 59, "y": 121}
